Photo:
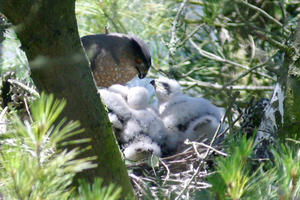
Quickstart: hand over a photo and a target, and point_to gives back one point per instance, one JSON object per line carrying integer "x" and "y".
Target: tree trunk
{"x": 291, "y": 126}
{"x": 48, "y": 33}
{"x": 282, "y": 117}
{"x": 2, "y": 29}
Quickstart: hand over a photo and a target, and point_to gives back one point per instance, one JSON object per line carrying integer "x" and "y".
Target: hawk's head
{"x": 116, "y": 58}
{"x": 142, "y": 56}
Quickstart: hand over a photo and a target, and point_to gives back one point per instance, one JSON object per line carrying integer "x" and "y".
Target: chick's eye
{"x": 138, "y": 60}
{"x": 166, "y": 86}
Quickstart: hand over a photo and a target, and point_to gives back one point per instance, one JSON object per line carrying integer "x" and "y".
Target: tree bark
{"x": 48, "y": 33}
{"x": 292, "y": 100}
{"x": 2, "y": 29}
{"x": 282, "y": 116}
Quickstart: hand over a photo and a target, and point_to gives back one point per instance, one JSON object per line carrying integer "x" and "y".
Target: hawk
{"x": 116, "y": 58}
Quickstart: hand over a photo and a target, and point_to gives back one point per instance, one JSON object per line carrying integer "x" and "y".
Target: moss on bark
{"x": 48, "y": 33}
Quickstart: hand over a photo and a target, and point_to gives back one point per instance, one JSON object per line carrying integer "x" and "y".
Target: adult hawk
{"x": 116, "y": 58}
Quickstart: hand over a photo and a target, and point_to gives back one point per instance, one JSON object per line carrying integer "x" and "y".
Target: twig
{"x": 273, "y": 42}
{"x": 27, "y": 110}
{"x": 159, "y": 70}
{"x": 193, "y": 83}
{"x": 252, "y": 48}
{"x": 215, "y": 150}
{"x": 257, "y": 14}
{"x": 230, "y": 104}
{"x": 246, "y": 73}
{"x": 25, "y": 87}
{"x": 135, "y": 179}
{"x": 264, "y": 13}
{"x": 195, "y": 69}
{"x": 252, "y": 25}
{"x": 168, "y": 171}
{"x": 152, "y": 167}
{"x": 195, "y": 148}
{"x": 3, "y": 113}
{"x": 190, "y": 35}
{"x": 173, "y": 40}
{"x": 197, "y": 3}
{"x": 202, "y": 160}
{"x": 234, "y": 122}
{"x": 223, "y": 60}
{"x": 283, "y": 11}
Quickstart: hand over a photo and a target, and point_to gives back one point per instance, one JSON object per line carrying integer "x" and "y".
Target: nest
{"x": 177, "y": 176}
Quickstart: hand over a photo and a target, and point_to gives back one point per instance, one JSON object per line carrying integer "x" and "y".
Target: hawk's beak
{"x": 142, "y": 71}
{"x": 142, "y": 75}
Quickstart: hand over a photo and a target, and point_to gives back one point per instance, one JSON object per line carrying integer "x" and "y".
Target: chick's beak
{"x": 152, "y": 83}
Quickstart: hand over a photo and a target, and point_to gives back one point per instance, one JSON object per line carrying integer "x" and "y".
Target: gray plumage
{"x": 138, "y": 98}
{"x": 184, "y": 117}
{"x": 141, "y": 148}
{"x": 119, "y": 89}
{"x": 139, "y": 129}
{"x": 118, "y": 111}
{"x": 143, "y": 116}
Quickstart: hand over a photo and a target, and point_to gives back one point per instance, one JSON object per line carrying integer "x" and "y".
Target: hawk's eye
{"x": 138, "y": 60}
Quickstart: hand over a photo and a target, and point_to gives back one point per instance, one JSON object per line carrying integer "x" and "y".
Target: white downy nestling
{"x": 118, "y": 110}
{"x": 141, "y": 129}
{"x": 141, "y": 148}
{"x": 184, "y": 117}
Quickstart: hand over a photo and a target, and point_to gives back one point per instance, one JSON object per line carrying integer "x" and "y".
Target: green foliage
{"x": 12, "y": 57}
{"x": 235, "y": 38}
{"x": 229, "y": 31}
{"x": 31, "y": 165}
{"x": 87, "y": 191}
{"x": 287, "y": 163}
{"x": 232, "y": 178}
{"x": 150, "y": 20}
{"x": 237, "y": 179}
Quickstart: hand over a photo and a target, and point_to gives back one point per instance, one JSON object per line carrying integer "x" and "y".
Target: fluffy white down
{"x": 150, "y": 124}
{"x": 162, "y": 93}
{"x": 131, "y": 130}
{"x": 133, "y": 117}
{"x": 202, "y": 128}
{"x": 185, "y": 116}
{"x": 119, "y": 89}
{"x": 141, "y": 148}
{"x": 116, "y": 105}
{"x": 144, "y": 130}
{"x": 145, "y": 118}
{"x": 138, "y": 98}
{"x": 113, "y": 118}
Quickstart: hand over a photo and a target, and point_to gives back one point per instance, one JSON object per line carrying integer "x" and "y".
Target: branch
{"x": 273, "y": 42}
{"x": 190, "y": 35}
{"x": 25, "y": 87}
{"x": 217, "y": 86}
{"x": 174, "y": 40}
{"x": 252, "y": 25}
{"x": 197, "y": 3}
{"x": 246, "y": 73}
{"x": 202, "y": 160}
{"x": 264, "y": 13}
{"x": 223, "y": 60}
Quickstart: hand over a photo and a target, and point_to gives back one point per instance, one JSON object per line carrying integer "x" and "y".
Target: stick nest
{"x": 174, "y": 177}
